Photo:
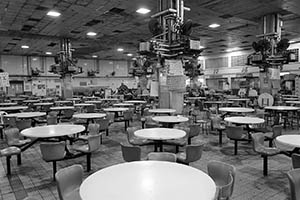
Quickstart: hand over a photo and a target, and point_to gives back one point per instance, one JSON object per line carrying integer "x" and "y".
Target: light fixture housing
{"x": 143, "y": 11}
{"x": 53, "y": 13}
{"x": 120, "y": 49}
{"x": 129, "y": 54}
{"x": 25, "y": 47}
{"x": 48, "y": 53}
{"x": 214, "y": 25}
{"x": 91, "y": 33}
{"x": 94, "y": 56}
{"x": 201, "y": 47}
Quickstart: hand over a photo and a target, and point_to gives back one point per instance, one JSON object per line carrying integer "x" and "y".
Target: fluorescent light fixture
{"x": 143, "y": 11}
{"x": 214, "y": 25}
{"x": 284, "y": 73}
{"x": 129, "y": 54}
{"x": 25, "y": 47}
{"x": 94, "y": 56}
{"x": 233, "y": 49}
{"x": 91, "y": 34}
{"x": 48, "y": 53}
{"x": 34, "y": 59}
{"x": 292, "y": 41}
{"x": 53, "y": 13}
{"x": 120, "y": 49}
{"x": 201, "y": 47}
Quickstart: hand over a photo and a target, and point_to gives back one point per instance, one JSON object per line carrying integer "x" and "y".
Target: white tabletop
{"x": 196, "y": 98}
{"x": 112, "y": 109}
{"x": 123, "y": 104}
{"x": 236, "y": 109}
{"x": 290, "y": 99}
{"x": 73, "y": 99}
{"x": 52, "y": 130}
{"x": 62, "y": 102}
{"x": 282, "y": 108}
{"x": 110, "y": 99}
{"x": 47, "y": 99}
{"x": 90, "y": 97}
{"x": 245, "y": 120}
{"x": 293, "y": 102}
{"x": 287, "y": 142}
{"x": 241, "y": 99}
{"x": 290, "y": 95}
{"x": 162, "y": 110}
{"x": 160, "y": 133}
{"x": 83, "y": 104}
{"x": 218, "y": 102}
{"x": 62, "y": 108}
{"x": 89, "y": 115}
{"x": 12, "y": 108}
{"x": 27, "y": 114}
{"x": 43, "y": 104}
{"x": 17, "y": 99}
{"x": 136, "y": 101}
{"x": 31, "y": 101}
{"x": 93, "y": 102}
{"x": 148, "y": 180}
{"x": 170, "y": 119}
{"x": 8, "y": 104}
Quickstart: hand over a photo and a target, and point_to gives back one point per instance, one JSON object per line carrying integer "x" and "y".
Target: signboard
{"x": 174, "y": 67}
{"x": 4, "y": 79}
{"x": 176, "y": 83}
{"x": 274, "y": 74}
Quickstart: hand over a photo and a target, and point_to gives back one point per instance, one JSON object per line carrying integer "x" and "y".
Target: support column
{"x": 67, "y": 88}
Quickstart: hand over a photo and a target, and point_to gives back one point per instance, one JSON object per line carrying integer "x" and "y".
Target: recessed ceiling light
{"x": 143, "y": 11}
{"x": 34, "y": 59}
{"x": 25, "y": 47}
{"x": 120, "y": 49}
{"x": 91, "y": 34}
{"x": 53, "y": 13}
{"x": 214, "y": 25}
{"x": 292, "y": 41}
{"x": 48, "y": 53}
{"x": 201, "y": 47}
{"x": 129, "y": 54}
{"x": 94, "y": 56}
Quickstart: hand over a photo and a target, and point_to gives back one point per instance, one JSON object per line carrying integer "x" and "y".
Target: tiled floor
{"x": 34, "y": 176}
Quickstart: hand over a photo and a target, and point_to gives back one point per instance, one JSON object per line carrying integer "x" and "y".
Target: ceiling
{"x": 24, "y": 22}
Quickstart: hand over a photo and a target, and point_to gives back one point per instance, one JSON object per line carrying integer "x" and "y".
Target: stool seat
{"x": 10, "y": 151}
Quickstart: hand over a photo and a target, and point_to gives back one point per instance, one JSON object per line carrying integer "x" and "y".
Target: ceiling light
{"x": 53, "y": 13}
{"x": 143, "y": 11}
{"x": 201, "y": 47}
{"x": 94, "y": 56}
{"x": 214, "y": 25}
{"x": 120, "y": 49}
{"x": 129, "y": 54}
{"x": 34, "y": 59}
{"x": 25, "y": 47}
{"x": 91, "y": 34}
{"x": 292, "y": 41}
{"x": 48, "y": 53}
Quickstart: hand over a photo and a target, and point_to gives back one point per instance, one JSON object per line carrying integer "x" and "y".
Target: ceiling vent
{"x": 34, "y": 19}
{"x": 27, "y": 28}
{"x": 225, "y": 16}
{"x": 52, "y": 44}
{"x": 116, "y": 10}
{"x": 41, "y": 8}
{"x": 94, "y": 22}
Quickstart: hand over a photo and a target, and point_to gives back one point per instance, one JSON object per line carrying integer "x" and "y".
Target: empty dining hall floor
{"x": 34, "y": 176}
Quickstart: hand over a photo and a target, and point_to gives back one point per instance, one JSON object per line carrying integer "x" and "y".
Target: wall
{"x": 19, "y": 68}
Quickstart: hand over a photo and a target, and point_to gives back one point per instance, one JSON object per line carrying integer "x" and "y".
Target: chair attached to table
{"x": 223, "y": 175}
{"x": 130, "y": 153}
{"x": 8, "y": 153}
{"x": 216, "y": 125}
{"x": 236, "y": 133}
{"x": 192, "y": 153}
{"x": 162, "y": 156}
{"x": 265, "y": 152}
{"x": 294, "y": 181}
{"x": 68, "y": 181}
{"x": 133, "y": 140}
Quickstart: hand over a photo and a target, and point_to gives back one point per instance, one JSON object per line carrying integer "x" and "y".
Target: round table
{"x": 293, "y": 102}
{"x": 110, "y": 99}
{"x": 290, "y": 99}
{"x": 289, "y": 96}
{"x": 123, "y": 104}
{"x": 27, "y": 115}
{"x": 236, "y": 110}
{"x": 170, "y": 121}
{"x": 136, "y": 101}
{"x": 195, "y": 98}
{"x": 59, "y": 108}
{"x": 162, "y": 111}
{"x": 62, "y": 102}
{"x": 279, "y": 110}
{"x": 73, "y": 99}
{"x": 148, "y": 180}
{"x": 13, "y": 108}
{"x": 47, "y": 99}
{"x": 83, "y": 104}
{"x": 17, "y": 99}
{"x": 89, "y": 116}
{"x": 116, "y": 110}
{"x": 43, "y": 104}
{"x": 244, "y": 120}
{"x": 31, "y": 101}
{"x": 93, "y": 102}
{"x": 8, "y": 104}
{"x": 288, "y": 142}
